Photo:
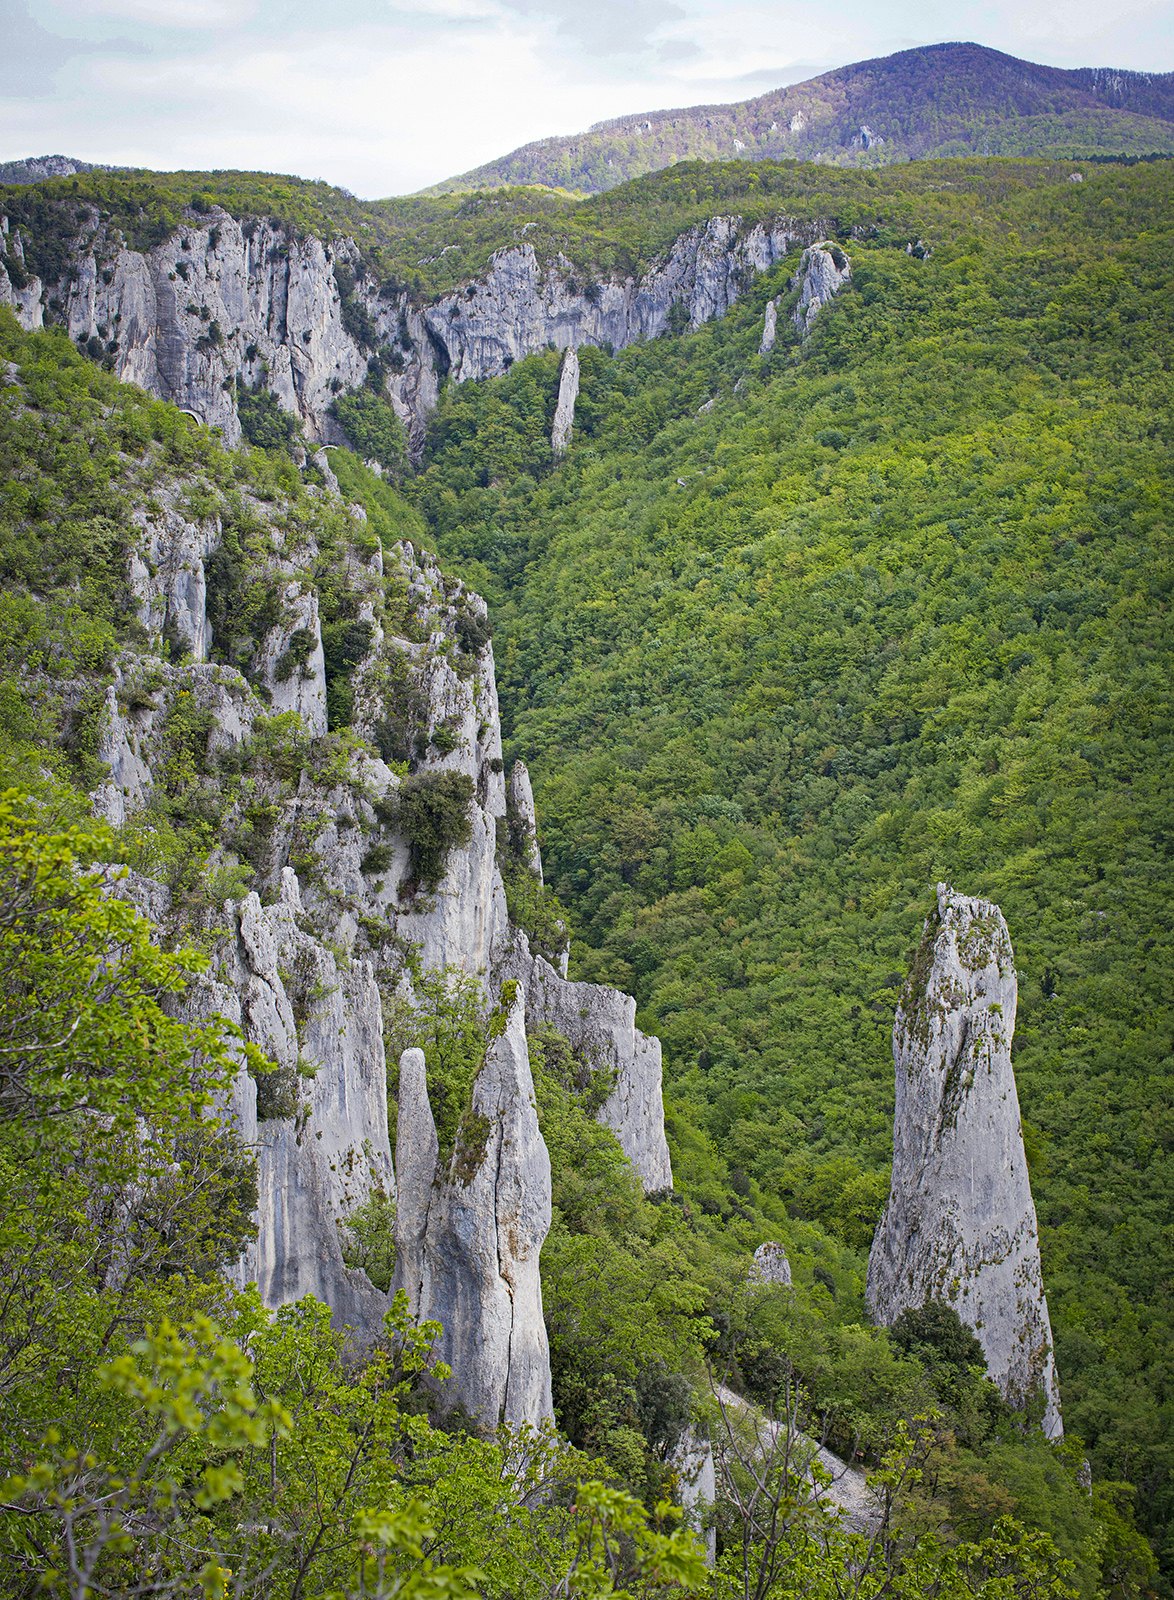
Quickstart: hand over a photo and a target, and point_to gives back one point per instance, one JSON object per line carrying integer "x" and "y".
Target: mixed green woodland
{"x": 784, "y": 640}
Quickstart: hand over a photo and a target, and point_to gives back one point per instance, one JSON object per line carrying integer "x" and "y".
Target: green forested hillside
{"x": 164, "y": 1433}
{"x": 892, "y": 610}
{"x": 431, "y": 244}
{"x": 783, "y": 640}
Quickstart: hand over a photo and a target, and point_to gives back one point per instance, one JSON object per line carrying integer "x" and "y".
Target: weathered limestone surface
{"x": 303, "y": 975}
{"x": 224, "y": 303}
{"x": 960, "y": 1224}
{"x": 693, "y": 1462}
{"x": 823, "y": 272}
{"x": 523, "y": 818}
{"x": 468, "y": 1236}
{"x": 600, "y": 1024}
{"x": 771, "y": 1265}
{"x": 317, "y": 1165}
{"x": 770, "y": 328}
{"x": 568, "y": 393}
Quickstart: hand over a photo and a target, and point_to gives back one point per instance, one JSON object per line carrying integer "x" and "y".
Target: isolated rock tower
{"x": 960, "y": 1224}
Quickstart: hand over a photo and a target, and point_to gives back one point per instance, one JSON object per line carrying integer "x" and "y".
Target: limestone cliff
{"x": 225, "y": 306}
{"x": 469, "y": 1230}
{"x": 241, "y": 614}
{"x": 564, "y": 411}
{"x": 960, "y": 1224}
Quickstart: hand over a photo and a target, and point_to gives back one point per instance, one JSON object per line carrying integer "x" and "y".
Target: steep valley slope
{"x": 786, "y": 635}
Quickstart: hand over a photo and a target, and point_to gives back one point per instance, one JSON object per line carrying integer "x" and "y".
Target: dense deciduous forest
{"x": 889, "y": 612}
{"x": 784, "y": 640}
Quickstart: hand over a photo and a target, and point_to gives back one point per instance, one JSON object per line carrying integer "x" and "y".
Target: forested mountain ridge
{"x": 937, "y": 100}
{"x": 783, "y": 637}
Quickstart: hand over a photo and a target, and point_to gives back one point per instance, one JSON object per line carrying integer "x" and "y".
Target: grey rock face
{"x": 331, "y": 1154}
{"x": 523, "y": 820}
{"x": 224, "y": 303}
{"x": 600, "y": 1024}
{"x": 693, "y": 1462}
{"x": 297, "y": 688}
{"x": 303, "y": 976}
{"x": 770, "y": 328}
{"x": 823, "y": 272}
{"x": 568, "y": 393}
{"x": 771, "y": 1265}
{"x": 468, "y": 1237}
{"x": 960, "y": 1224}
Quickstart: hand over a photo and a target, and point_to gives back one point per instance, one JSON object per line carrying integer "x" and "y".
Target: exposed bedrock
{"x": 469, "y": 1232}
{"x": 823, "y": 272}
{"x": 564, "y": 411}
{"x": 224, "y": 306}
{"x": 600, "y": 1024}
{"x": 960, "y": 1225}
{"x": 321, "y": 1142}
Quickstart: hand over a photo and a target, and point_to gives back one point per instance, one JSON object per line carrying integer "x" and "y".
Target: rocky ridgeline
{"x": 314, "y": 960}
{"x": 224, "y": 304}
{"x": 960, "y": 1224}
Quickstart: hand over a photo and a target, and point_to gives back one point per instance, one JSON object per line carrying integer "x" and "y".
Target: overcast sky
{"x": 386, "y": 96}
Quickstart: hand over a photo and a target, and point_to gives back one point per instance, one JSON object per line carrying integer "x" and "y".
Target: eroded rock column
{"x": 470, "y": 1227}
{"x": 960, "y": 1225}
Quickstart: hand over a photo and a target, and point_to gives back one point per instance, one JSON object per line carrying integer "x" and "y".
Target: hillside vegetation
{"x": 892, "y": 610}
{"x": 784, "y": 640}
{"x": 432, "y": 244}
{"x": 162, "y": 1431}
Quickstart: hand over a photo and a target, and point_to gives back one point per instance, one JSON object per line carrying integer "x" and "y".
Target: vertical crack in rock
{"x": 960, "y": 1225}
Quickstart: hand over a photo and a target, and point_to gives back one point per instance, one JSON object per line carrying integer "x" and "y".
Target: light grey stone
{"x": 317, "y": 1166}
{"x": 568, "y": 393}
{"x": 770, "y": 328}
{"x": 960, "y": 1224}
{"x": 693, "y": 1463}
{"x": 824, "y": 269}
{"x": 770, "y": 1265}
{"x": 600, "y": 1024}
{"x": 468, "y": 1237}
{"x": 523, "y": 821}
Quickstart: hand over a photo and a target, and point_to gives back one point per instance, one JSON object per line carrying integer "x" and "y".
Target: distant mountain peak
{"x": 950, "y": 99}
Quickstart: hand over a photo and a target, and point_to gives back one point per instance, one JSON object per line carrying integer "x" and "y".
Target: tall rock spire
{"x": 468, "y": 1233}
{"x": 960, "y": 1224}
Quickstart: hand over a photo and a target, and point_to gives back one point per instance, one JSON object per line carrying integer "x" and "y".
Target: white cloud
{"x": 181, "y": 14}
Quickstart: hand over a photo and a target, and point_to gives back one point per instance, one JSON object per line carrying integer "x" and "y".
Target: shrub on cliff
{"x": 433, "y": 816}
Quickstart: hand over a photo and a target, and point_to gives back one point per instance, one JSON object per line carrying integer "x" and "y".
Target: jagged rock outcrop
{"x": 224, "y": 306}
{"x": 230, "y": 674}
{"x": 600, "y": 1024}
{"x": 771, "y": 1265}
{"x": 960, "y": 1225}
{"x": 564, "y": 411}
{"x": 523, "y": 819}
{"x": 823, "y": 272}
{"x": 770, "y": 328}
{"x": 469, "y": 1230}
{"x": 318, "y": 1125}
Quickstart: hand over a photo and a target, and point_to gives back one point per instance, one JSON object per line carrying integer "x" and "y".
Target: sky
{"x": 387, "y": 96}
